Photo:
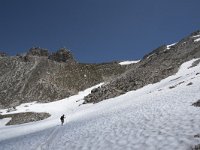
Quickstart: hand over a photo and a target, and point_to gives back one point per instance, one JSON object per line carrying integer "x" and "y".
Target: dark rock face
{"x": 62, "y": 55}
{"x": 34, "y": 77}
{"x": 37, "y": 51}
{"x": 157, "y": 65}
{"x": 21, "y": 118}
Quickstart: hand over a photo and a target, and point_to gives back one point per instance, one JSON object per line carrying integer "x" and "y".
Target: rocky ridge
{"x": 155, "y": 66}
{"x": 39, "y": 75}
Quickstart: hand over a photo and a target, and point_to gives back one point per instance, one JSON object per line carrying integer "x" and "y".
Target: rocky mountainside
{"x": 42, "y": 76}
{"x": 159, "y": 64}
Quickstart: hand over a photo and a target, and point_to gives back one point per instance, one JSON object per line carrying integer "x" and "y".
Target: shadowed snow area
{"x": 153, "y": 117}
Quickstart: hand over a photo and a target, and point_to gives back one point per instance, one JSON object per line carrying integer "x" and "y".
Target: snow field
{"x": 153, "y": 117}
{"x": 56, "y": 109}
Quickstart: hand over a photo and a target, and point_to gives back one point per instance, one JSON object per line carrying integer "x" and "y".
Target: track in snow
{"x": 45, "y": 145}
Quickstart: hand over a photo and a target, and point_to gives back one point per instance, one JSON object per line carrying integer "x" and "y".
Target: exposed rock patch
{"x": 171, "y": 87}
{"x": 21, "y": 118}
{"x": 197, "y": 136}
{"x": 12, "y": 109}
{"x": 196, "y": 104}
{"x": 189, "y": 84}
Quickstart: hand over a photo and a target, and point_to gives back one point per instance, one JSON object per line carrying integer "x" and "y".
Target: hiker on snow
{"x": 62, "y": 119}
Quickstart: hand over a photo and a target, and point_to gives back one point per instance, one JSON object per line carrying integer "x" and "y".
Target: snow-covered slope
{"x": 56, "y": 109}
{"x": 157, "y": 116}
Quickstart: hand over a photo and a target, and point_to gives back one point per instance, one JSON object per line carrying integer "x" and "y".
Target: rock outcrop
{"x": 155, "y": 66}
{"x": 37, "y": 51}
{"x": 20, "y": 118}
{"x": 197, "y": 104}
{"x": 62, "y": 55}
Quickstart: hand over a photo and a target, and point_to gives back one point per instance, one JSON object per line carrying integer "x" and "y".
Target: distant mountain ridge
{"x": 39, "y": 75}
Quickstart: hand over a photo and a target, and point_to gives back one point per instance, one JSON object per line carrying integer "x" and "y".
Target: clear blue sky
{"x": 96, "y": 30}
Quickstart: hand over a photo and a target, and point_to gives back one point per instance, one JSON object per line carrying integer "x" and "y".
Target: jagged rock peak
{"x": 62, "y": 55}
{"x": 37, "y": 51}
{"x": 3, "y": 54}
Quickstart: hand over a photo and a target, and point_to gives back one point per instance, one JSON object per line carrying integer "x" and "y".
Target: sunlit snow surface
{"x": 154, "y": 117}
{"x": 128, "y": 62}
{"x": 56, "y": 109}
{"x": 197, "y": 40}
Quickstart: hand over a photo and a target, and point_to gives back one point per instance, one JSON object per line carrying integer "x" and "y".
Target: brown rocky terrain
{"x": 155, "y": 66}
{"x": 44, "y": 77}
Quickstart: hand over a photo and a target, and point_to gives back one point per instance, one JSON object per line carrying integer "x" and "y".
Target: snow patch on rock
{"x": 129, "y": 62}
{"x": 195, "y": 36}
{"x": 197, "y": 40}
{"x": 169, "y": 46}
